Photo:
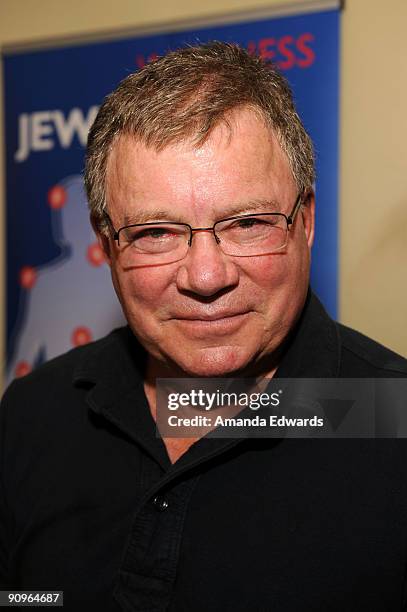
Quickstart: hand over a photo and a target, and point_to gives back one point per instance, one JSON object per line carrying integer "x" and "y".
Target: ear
{"x": 102, "y": 238}
{"x": 308, "y": 217}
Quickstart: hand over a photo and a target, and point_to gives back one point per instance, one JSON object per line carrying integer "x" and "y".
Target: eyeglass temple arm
{"x": 296, "y": 208}
{"x": 115, "y": 232}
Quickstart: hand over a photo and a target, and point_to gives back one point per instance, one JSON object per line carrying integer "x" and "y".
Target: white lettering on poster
{"x": 42, "y": 130}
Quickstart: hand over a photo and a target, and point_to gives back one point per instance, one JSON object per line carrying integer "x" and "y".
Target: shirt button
{"x": 160, "y": 503}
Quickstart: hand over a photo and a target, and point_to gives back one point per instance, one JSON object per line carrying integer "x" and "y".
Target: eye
{"x": 136, "y": 235}
{"x": 252, "y": 224}
{"x": 154, "y": 239}
{"x": 154, "y": 233}
{"x": 248, "y": 223}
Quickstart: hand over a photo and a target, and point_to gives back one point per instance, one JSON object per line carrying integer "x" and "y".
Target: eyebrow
{"x": 160, "y": 214}
{"x": 155, "y": 214}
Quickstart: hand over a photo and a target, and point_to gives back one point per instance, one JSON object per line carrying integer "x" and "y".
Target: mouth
{"x": 202, "y": 325}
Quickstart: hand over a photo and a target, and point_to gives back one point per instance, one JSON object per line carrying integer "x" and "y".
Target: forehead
{"x": 241, "y": 161}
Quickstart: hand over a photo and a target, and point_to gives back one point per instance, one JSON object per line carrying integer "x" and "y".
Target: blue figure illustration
{"x": 71, "y": 300}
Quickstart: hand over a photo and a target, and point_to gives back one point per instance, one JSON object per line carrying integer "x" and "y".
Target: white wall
{"x": 373, "y": 185}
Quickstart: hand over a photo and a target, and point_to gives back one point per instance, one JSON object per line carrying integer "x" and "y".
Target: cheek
{"x": 266, "y": 273}
{"x": 142, "y": 289}
{"x": 279, "y": 283}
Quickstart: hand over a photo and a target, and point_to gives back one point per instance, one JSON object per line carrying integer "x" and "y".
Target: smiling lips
{"x": 209, "y": 317}
{"x": 202, "y": 325}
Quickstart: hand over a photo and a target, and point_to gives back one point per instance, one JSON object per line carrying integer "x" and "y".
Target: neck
{"x": 264, "y": 368}
{"x": 154, "y": 369}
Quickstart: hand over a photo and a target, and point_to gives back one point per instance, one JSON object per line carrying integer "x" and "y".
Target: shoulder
{"x": 54, "y": 378}
{"x": 45, "y": 412}
{"x": 362, "y": 356}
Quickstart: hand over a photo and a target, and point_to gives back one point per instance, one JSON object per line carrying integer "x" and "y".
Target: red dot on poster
{"x": 95, "y": 254}
{"x": 57, "y": 197}
{"x": 27, "y": 277}
{"x": 22, "y": 368}
{"x": 81, "y": 335}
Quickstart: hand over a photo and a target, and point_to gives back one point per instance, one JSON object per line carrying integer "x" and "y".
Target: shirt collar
{"x": 313, "y": 349}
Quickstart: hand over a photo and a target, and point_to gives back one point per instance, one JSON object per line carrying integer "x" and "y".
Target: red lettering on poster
{"x": 141, "y": 61}
{"x": 307, "y": 51}
{"x": 265, "y": 48}
{"x": 251, "y": 47}
{"x": 286, "y": 52}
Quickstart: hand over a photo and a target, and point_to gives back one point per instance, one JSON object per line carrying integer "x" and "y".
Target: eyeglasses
{"x": 240, "y": 236}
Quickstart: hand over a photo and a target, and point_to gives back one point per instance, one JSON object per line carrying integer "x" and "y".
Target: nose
{"x": 206, "y": 270}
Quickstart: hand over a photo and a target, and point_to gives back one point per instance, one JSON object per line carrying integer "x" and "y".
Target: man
{"x": 199, "y": 176}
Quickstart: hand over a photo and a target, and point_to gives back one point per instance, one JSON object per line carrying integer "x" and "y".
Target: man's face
{"x": 209, "y": 314}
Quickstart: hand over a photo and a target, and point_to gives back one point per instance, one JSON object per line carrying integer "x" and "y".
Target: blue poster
{"x": 59, "y": 292}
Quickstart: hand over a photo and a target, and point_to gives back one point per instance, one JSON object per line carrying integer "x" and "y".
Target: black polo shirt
{"x": 90, "y": 503}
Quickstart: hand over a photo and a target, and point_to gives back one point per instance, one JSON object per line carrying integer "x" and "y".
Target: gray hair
{"x": 185, "y": 95}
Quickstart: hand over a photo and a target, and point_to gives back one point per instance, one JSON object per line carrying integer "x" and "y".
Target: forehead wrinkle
{"x": 160, "y": 214}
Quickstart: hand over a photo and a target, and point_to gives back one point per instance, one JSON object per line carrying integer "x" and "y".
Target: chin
{"x": 213, "y": 362}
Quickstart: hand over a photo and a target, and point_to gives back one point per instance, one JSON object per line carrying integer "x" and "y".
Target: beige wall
{"x": 373, "y": 183}
{"x": 374, "y": 170}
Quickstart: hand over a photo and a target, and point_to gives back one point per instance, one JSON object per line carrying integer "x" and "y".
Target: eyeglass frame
{"x": 289, "y": 220}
